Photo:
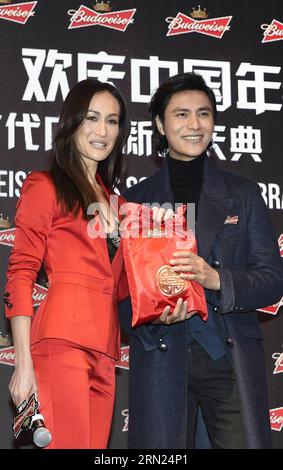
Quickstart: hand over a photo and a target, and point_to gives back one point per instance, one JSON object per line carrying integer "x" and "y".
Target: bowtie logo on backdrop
{"x": 123, "y": 362}
{"x": 198, "y": 23}
{"x": 7, "y": 237}
{"x": 101, "y": 15}
{"x": 280, "y": 243}
{"x": 272, "y": 31}
{"x": 7, "y": 356}
{"x": 38, "y": 294}
{"x": 276, "y": 418}
{"x": 273, "y": 309}
{"x": 278, "y": 357}
{"x": 7, "y": 234}
{"x": 18, "y": 12}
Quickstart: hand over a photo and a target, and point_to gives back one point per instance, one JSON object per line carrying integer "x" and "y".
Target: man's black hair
{"x": 160, "y": 99}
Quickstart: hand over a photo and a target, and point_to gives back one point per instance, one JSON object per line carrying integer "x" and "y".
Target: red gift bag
{"x": 152, "y": 282}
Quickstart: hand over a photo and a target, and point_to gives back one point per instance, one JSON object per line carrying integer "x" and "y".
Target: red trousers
{"x": 76, "y": 389}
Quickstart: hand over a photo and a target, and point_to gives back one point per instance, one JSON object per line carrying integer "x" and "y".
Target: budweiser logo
{"x": 38, "y": 294}
{"x": 276, "y": 419}
{"x": 23, "y": 419}
{"x": 123, "y": 363}
{"x": 7, "y": 356}
{"x": 272, "y": 309}
{"x": 273, "y": 31}
{"x": 7, "y": 237}
{"x": 19, "y": 12}
{"x": 125, "y": 414}
{"x": 280, "y": 243}
{"x": 84, "y": 16}
{"x": 278, "y": 362}
{"x": 182, "y": 24}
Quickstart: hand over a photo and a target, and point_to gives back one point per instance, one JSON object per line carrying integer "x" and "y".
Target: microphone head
{"x": 41, "y": 437}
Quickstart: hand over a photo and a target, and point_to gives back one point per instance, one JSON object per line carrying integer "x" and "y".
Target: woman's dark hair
{"x": 162, "y": 96}
{"x": 67, "y": 170}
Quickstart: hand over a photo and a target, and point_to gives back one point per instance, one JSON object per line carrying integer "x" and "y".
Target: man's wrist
{"x": 217, "y": 283}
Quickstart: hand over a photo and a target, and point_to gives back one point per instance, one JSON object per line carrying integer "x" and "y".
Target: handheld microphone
{"x": 29, "y": 418}
{"x": 41, "y": 436}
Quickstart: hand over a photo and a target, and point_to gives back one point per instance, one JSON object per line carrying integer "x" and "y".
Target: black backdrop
{"x": 237, "y": 48}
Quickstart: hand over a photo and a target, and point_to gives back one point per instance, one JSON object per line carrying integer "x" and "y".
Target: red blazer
{"x": 81, "y": 304}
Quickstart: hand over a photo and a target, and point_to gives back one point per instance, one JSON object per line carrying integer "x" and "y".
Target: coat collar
{"x": 160, "y": 189}
{"x": 214, "y": 206}
{"x": 213, "y": 182}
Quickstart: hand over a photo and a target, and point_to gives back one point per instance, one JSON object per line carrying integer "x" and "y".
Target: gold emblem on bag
{"x": 169, "y": 282}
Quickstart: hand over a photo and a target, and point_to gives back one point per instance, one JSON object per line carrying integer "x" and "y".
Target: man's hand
{"x": 191, "y": 266}
{"x": 179, "y": 313}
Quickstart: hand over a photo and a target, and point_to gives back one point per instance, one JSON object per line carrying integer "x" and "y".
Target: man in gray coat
{"x": 180, "y": 365}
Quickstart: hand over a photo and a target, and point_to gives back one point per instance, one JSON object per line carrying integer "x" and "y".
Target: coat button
{"x": 215, "y": 264}
{"x": 236, "y": 309}
{"x": 229, "y": 342}
{"x": 215, "y": 309}
{"x": 241, "y": 309}
{"x": 163, "y": 347}
{"x": 8, "y": 303}
{"x": 6, "y": 294}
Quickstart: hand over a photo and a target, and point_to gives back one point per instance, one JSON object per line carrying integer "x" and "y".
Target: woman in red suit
{"x": 65, "y": 353}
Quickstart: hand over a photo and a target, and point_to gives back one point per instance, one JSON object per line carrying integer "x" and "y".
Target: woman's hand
{"x": 23, "y": 383}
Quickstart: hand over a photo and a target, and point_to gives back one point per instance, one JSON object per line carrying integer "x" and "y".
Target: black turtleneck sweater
{"x": 186, "y": 179}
